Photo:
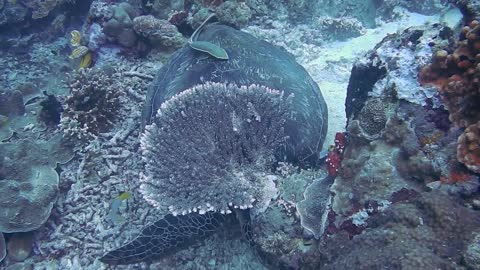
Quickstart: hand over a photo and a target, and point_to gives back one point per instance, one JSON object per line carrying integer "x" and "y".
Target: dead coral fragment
{"x": 468, "y": 150}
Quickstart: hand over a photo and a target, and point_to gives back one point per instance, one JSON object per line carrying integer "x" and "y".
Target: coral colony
{"x": 224, "y": 134}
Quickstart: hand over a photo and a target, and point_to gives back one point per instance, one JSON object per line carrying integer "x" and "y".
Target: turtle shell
{"x": 251, "y": 61}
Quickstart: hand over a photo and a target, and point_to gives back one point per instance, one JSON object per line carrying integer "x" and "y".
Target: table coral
{"x": 210, "y": 146}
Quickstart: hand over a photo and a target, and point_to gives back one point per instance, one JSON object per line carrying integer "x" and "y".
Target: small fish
{"x": 206, "y": 46}
{"x": 80, "y": 51}
{"x": 76, "y": 38}
{"x": 114, "y": 212}
{"x": 86, "y": 60}
{"x": 210, "y": 48}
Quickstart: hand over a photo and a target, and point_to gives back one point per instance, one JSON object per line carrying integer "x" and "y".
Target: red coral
{"x": 335, "y": 155}
{"x": 334, "y": 161}
{"x": 340, "y": 142}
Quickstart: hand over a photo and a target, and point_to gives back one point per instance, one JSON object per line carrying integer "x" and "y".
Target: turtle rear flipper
{"x": 167, "y": 236}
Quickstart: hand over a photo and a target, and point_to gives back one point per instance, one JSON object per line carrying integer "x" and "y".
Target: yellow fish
{"x": 124, "y": 195}
{"x": 86, "y": 61}
{"x": 78, "y": 52}
{"x": 76, "y": 38}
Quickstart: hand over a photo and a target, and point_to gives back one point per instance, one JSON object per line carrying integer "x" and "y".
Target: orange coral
{"x": 456, "y": 176}
{"x": 457, "y": 76}
{"x": 468, "y": 150}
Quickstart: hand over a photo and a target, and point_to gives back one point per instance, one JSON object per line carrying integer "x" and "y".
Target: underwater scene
{"x": 239, "y": 134}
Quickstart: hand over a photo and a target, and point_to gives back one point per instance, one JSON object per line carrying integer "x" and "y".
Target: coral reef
{"x": 29, "y": 182}
{"x": 215, "y": 142}
{"x": 421, "y": 233}
{"x": 457, "y": 77}
{"x": 470, "y": 8}
{"x": 390, "y": 113}
{"x": 12, "y": 14}
{"x": 391, "y": 8}
{"x": 163, "y": 8}
{"x": 397, "y": 150}
{"x": 372, "y": 118}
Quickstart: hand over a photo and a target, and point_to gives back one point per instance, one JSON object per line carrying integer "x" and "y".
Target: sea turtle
{"x": 213, "y": 128}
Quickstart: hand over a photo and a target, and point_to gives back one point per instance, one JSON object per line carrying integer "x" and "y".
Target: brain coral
{"x": 210, "y": 146}
{"x": 372, "y": 117}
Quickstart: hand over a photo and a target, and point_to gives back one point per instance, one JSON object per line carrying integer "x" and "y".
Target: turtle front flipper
{"x": 167, "y": 236}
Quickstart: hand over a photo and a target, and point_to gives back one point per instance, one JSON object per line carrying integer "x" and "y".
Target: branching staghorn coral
{"x": 93, "y": 103}
{"x": 210, "y": 147}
